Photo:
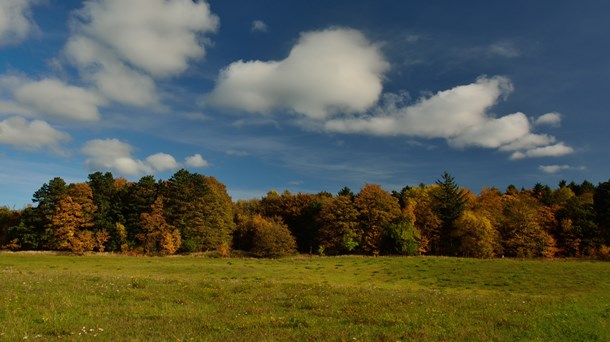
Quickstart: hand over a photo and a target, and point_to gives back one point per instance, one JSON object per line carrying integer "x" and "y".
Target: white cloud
{"x": 113, "y": 154}
{"x": 494, "y": 132}
{"x": 53, "y": 98}
{"x": 460, "y": 115}
{"x": 32, "y": 135}
{"x": 557, "y": 168}
{"x": 157, "y": 36}
{"x": 196, "y": 161}
{"x": 15, "y": 21}
{"x": 259, "y": 26}
{"x": 123, "y": 46}
{"x": 528, "y": 142}
{"x": 557, "y": 150}
{"x": 50, "y": 98}
{"x": 446, "y": 114}
{"x": 162, "y": 162}
{"x": 550, "y": 119}
{"x": 334, "y": 79}
{"x": 330, "y": 71}
{"x": 115, "y": 80}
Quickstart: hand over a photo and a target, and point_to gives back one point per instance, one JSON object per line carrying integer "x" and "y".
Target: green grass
{"x": 49, "y": 297}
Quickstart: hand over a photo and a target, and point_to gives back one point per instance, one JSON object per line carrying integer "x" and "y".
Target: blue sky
{"x": 307, "y": 96}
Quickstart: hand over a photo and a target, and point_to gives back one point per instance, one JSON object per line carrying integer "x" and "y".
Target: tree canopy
{"x": 191, "y": 212}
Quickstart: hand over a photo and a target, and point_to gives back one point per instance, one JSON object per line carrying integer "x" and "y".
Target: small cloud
{"x": 259, "y": 26}
{"x": 557, "y": 150}
{"x": 503, "y": 49}
{"x": 557, "y": 168}
{"x": 550, "y": 119}
{"x": 162, "y": 162}
{"x": 197, "y": 161}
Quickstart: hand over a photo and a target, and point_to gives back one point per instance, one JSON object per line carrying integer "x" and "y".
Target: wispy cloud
{"x": 503, "y": 49}
{"x": 259, "y": 26}
{"x": 551, "y": 169}
{"x": 557, "y": 150}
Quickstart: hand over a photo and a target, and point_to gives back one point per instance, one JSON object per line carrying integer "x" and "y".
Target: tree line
{"x": 191, "y": 212}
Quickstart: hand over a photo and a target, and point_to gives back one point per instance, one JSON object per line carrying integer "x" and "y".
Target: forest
{"x": 193, "y": 213}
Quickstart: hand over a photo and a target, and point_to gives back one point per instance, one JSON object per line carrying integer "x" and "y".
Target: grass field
{"x": 50, "y": 297}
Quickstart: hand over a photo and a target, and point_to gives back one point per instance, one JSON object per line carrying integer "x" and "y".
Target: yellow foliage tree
{"x": 158, "y": 236}
{"x": 476, "y": 235}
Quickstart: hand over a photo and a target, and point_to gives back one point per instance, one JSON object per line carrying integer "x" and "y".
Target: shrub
{"x": 271, "y": 238}
{"x": 401, "y": 238}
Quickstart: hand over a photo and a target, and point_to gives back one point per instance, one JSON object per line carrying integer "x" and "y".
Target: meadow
{"x": 45, "y": 296}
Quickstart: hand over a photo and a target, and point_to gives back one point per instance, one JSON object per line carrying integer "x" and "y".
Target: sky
{"x": 305, "y": 96}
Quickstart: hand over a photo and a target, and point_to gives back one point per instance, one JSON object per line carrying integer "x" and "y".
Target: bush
{"x": 271, "y": 238}
{"x": 401, "y": 238}
{"x": 603, "y": 253}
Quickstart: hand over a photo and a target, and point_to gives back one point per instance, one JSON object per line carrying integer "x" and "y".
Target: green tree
{"x": 137, "y": 199}
{"x": 401, "y": 237}
{"x": 449, "y": 204}
{"x": 8, "y": 218}
{"x": 48, "y": 198}
{"x": 201, "y": 209}
{"x": 601, "y": 200}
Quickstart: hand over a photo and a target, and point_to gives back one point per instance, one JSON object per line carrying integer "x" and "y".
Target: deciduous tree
{"x": 376, "y": 209}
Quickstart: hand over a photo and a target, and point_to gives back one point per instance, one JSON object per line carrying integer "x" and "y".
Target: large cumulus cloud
{"x": 332, "y": 71}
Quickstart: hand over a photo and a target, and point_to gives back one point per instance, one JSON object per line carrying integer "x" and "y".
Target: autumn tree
{"x": 376, "y": 209}
{"x": 449, "y": 204}
{"x": 338, "y": 225}
{"x": 271, "y": 238}
{"x": 521, "y": 231}
{"x": 418, "y": 207}
{"x": 158, "y": 236}
{"x": 73, "y": 219}
{"x": 475, "y": 235}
